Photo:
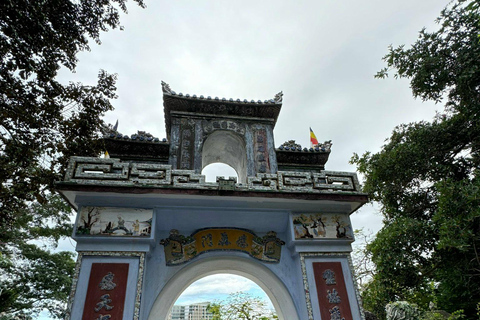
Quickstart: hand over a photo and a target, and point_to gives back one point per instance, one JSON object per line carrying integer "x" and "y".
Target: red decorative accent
{"x": 322, "y": 289}
{"x": 313, "y": 139}
{"x": 116, "y": 295}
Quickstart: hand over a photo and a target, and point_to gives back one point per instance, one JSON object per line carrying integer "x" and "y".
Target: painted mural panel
{"x": 322, "y": 226}
{"x": 108, "y": 221}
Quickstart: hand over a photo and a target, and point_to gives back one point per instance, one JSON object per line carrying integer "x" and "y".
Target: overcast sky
{"x": 322, "y": 54}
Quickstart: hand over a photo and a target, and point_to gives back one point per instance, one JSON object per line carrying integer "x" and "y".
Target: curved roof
{"x": 267, "y": 110}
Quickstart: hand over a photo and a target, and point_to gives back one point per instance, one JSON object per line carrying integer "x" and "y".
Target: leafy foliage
{"x": 241, "y": 306}
{"x": 361, "y": 257}
{"x": 32, "y": 276}
{"x": 42, "y": 123}
{"x": 426, "y": 177}
{"x": 402, "y": 310}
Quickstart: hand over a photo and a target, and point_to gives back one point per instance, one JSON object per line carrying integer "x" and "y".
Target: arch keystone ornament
{"x": 149, "y": 225}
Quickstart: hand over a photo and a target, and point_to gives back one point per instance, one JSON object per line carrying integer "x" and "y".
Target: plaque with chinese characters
{"x": 180, "y": 249}
{"x": 331, "y": 290}
{"x": 106, "y": 291}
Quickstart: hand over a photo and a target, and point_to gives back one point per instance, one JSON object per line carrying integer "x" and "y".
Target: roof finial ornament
{"x": 166, "y": 88}
{"x": 291, "y": 145}
{"x": 327, "y": 145}
{"x": 278, "y": 97}
{"x": 108, "y": 129}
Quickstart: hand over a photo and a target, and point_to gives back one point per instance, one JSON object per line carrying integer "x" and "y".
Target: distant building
{"x": 177, "y": 313}
{"x": 196, "y": 311}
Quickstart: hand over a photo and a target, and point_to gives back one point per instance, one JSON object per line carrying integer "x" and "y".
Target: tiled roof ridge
{"x": 277, "y": 99}
{"x": 292, "y": 146}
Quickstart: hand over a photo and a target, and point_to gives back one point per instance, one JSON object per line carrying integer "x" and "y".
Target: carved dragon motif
{"x": 166, "y": 88}
{"x": 278, "y": 97}
{"x": 291, "y": 145}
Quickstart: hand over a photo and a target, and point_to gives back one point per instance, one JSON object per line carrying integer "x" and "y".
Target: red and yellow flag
{"x": 313, "y": 139}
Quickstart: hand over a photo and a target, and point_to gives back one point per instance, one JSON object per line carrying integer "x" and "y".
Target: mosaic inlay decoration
{"x": 322, "y": 226}
{"x": 106, "y": 221}
{"x": 114, "y": 172}
{"x": 180, "y": 249}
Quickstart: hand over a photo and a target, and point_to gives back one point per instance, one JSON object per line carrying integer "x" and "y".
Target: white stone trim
{"x": 139, "y": 280}
{"x": 350, "y": 276}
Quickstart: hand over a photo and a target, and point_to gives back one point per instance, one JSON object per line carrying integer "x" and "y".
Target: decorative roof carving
{"x": 167, "y": 90}
{"x": 326, "y": 146}
{"x": 278, "y": 97}
{"x": 291, "y": 156}
{"x": 177, "y": 103}
{"x": 108, "y": 128}
{"x": 115, "y": 172}
{"x": 141, "y": 145}
{"x": 139, "y": 136}
{"x": 290, "y": 145}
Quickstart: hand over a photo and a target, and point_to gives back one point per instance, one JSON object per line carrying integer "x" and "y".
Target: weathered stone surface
{"x": 115, "y": 172}
{"x": 177, "y": 103}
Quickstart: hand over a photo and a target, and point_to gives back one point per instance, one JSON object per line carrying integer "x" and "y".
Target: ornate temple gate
{"x": 148, "y": 225}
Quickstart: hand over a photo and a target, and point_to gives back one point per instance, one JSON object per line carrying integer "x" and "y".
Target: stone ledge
{"x": 116, "y": 173}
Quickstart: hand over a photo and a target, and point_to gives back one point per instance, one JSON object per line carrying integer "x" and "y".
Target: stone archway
{"x": 226, "y": 147}
{"x": 160, "y": 185}
{"x": 248, "y": 268}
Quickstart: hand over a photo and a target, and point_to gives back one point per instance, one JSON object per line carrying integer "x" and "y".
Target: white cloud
{"x": 217, "y": 287}
{"x": 219, "y": 284}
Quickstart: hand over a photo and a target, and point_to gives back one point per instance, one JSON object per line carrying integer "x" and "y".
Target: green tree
{"x": 362, "y": 258}
{"x": 42, "y": 123}
{"x": 241, "y": 306}
{"x": 426, "y": 177}
{"x": 33, "y": 277}
{"x": 214, "y": 309}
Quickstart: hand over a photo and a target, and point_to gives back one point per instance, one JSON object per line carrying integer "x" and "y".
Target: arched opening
{"x": 225, "y": 289}
{"x": 276, "y": 291}
{"x": 214, "y": 170}
{"x": 228, "y": 148}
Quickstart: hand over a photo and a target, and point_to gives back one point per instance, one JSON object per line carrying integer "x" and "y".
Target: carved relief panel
{"x": 185, "y": 160}
{"x": 260, "y": 145}
{"x": 189, "y": 135}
